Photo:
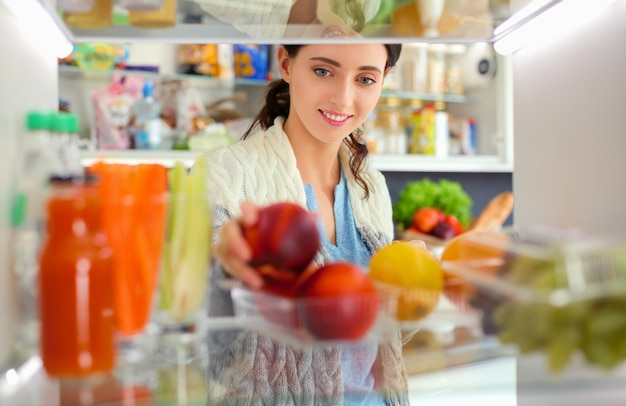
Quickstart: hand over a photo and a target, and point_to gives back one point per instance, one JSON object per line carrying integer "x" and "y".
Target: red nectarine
{"x": 285, "y": 237}
{"x": 338, "y": 301}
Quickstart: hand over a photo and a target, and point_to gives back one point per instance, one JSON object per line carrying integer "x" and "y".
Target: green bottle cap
{"x": 37, "y": 120}
{"x": 73, "y": 123}
{"x": 63, "y": 122}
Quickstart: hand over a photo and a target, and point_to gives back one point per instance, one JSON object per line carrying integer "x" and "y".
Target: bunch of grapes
{"x": 546, "y": 316}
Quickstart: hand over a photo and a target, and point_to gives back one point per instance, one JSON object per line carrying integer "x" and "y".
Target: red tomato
{"x": 338, "y": 301}
{"x": 426, "y": 218}
{"x": 455, "y": 223}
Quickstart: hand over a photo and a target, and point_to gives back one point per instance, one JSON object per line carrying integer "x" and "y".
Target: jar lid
{"x": 74, "y": 179}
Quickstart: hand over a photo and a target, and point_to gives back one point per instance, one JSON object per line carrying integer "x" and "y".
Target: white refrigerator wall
{"x": 28, "y": 80}
{"x": 570, "y": 127}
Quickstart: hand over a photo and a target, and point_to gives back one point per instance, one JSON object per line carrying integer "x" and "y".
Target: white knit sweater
{"x": 248, "y": 368}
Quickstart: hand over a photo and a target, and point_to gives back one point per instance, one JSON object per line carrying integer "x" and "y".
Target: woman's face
{"x": 333, "y": 87}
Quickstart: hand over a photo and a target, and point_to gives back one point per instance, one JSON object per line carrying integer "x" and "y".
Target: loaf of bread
{"x": 495, "y": 213}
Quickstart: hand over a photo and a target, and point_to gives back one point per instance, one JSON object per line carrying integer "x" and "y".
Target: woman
{"x": 305, "y": 146}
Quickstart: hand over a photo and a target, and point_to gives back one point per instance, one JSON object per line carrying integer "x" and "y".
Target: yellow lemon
{"x": 414, "y": 272}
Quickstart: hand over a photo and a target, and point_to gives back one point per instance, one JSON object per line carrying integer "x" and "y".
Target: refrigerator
{"x": 569, "y": 125}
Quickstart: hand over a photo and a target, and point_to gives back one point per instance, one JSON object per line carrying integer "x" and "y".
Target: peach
{"x": 284, "y": 240}
{"x": 338, "y": 301}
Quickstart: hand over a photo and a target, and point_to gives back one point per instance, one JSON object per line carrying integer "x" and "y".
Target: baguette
{"x": 495, "y": 213}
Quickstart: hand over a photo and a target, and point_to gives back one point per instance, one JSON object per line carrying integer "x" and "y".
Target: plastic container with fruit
{"x": 556, "y": 295}
{"x": 415, "y": 277}
{"x": 299, "y": 302}
{"x": 316, "y": 321}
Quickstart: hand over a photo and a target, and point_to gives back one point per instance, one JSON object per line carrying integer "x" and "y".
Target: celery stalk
{"x": 177, "y": 179}
{"x": 190, "y": 242}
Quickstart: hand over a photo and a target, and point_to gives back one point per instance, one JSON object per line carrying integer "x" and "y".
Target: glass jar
{"x": 76, "y": 284}
{"x": 390, "y": 119}
{"x": 436, "y": 69}
{"x": 454, "y": 70}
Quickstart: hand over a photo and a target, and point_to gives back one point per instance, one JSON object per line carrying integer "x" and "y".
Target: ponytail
{"x": 276, "y": 105}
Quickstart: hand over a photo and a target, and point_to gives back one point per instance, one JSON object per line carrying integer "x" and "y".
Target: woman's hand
{"x": 419, "y": 244}
{"x": 233, "y": 251}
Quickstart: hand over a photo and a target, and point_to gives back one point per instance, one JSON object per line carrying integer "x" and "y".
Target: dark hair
{"x": 277, "y": 105}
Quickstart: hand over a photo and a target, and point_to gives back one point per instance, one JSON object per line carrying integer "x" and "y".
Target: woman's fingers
{"x": 249, "y": 214}
{"x": 233, "y": 243}
{"x": 419, "y": 244}
{"x": 233, "y": 251}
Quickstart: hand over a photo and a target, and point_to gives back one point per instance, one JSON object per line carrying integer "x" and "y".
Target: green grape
{"x": 560, "y": 348}
{"x": 605, "y": 322}
{"x": 620, "y": 347}
{"x": 529, "y": 327}
{"x": 501, "y": 314}
{"x": 523, "y": 269}
{"x": 506, "y": 337}
{"x": 544, "y": 280}
{"x": 540, "y": 319}
{"x": 600, "y": 352}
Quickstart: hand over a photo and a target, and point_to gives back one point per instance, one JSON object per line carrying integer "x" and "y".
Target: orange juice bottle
{"x": 76, "y": 285}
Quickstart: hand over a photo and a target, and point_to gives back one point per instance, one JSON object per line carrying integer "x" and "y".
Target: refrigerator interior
{"x": 569, "y": 143}
{"x": 569, "y": 99}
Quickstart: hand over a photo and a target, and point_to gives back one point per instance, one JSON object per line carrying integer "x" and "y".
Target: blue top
{"x": 356, "y": 360}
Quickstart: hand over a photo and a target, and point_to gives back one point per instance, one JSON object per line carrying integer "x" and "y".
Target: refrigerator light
{"x": 557, "y": 20}
{"x": 528, "y": 11}
{"x": 42, "y": 25}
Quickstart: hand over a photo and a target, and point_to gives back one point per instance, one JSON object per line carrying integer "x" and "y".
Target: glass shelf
{"x": 447, "y": 98}
{"x": 74, "y": 72}
{"x": 388, "y": 163}
{"x": 266, "y": 21}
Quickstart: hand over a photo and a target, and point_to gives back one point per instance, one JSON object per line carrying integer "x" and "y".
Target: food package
{"x": 113, "y": 109}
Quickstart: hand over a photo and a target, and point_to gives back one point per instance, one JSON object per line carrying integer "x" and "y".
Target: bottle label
{"x": 148, "y": 135}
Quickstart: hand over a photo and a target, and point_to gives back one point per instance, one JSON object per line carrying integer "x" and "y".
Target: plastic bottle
{"x": 65, "y": 137}
{"x": 36, "y": 163}
{"x": 413, "y": 124}
{"x": 442, "y": 131}
{"x": 38, "y": 160}
{"x": 147, "y": 132}
{"x": 76, "y": 284}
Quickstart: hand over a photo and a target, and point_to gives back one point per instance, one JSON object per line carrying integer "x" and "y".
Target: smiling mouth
{"x": 335, "y": 117}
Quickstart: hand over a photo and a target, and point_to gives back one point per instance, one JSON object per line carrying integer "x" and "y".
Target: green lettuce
{"x": 446, "y": 195}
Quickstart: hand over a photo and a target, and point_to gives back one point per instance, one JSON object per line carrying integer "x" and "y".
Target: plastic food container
{"x": 100, "y": 15}
{"x": 415, "y": 308}
{"x": 162, "y": 17}
{"x": 556, "y": 295}
{"x": 316, "y": 322}
{"x": 76, "y": 6}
